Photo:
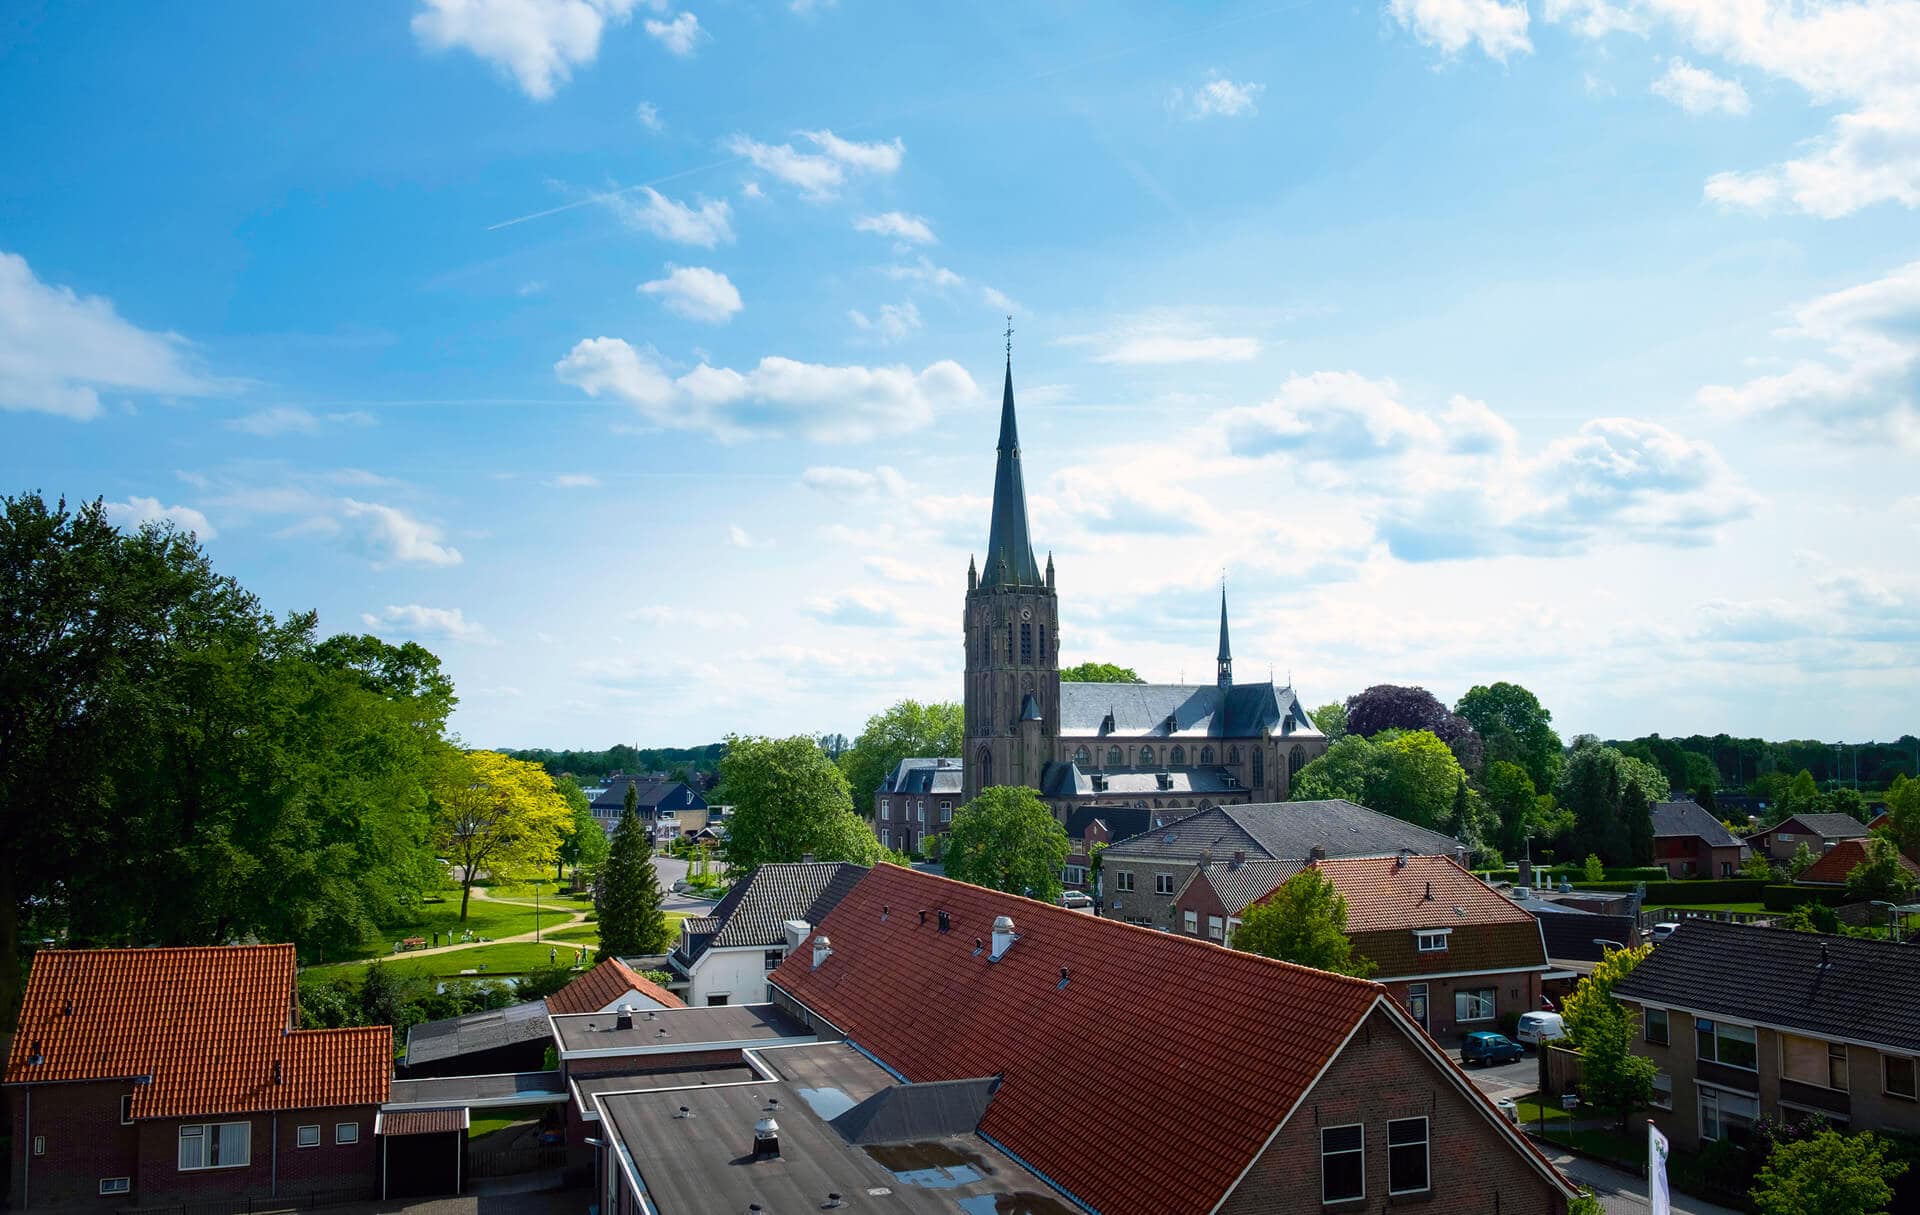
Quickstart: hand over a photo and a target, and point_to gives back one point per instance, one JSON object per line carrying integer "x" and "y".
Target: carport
{"x": 423, "y": 1152}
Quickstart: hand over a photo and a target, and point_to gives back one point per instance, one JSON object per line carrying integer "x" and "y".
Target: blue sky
{"x": 643, "y": 359}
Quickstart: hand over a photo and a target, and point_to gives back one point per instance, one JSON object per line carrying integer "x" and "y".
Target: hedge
{"x": 1681, "y": 894}
{"x": 1577, "y": 873}
{"x": 1786, "y": 898}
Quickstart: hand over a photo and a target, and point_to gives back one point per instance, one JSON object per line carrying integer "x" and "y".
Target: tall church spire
{"x": 1009, "y": 548}
{"x": 1226, "y": 651}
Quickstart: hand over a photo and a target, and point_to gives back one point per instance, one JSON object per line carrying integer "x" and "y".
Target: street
{"x": 670, "y": 870}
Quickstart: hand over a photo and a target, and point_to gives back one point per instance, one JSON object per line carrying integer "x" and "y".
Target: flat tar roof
{"x": 589, "y": 1086}
{"x": 509, "y": 1088}
{"x": 676, "y": 1029}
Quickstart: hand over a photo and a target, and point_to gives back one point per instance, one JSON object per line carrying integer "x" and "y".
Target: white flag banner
{"x": 1659, "y": 1198}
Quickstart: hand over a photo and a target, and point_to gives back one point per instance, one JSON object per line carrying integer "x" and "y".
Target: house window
{"x": 1725, "y": 1114}
{"x": 1115, "y": 758}
{"x": 1146, "y": 757}
{"x": 1216, "y": 928}
{"x": 1191, "y": 921}
{"x": 771, "y": 959}
{"x": 1430, "y": 941}
{"x": 126, "y": 1110}
{"x": 1163, "y": 883}
{"x": 115, "y": 1185}
{"x": 719, "y": 999}
{"x": 1123, "y": 881}
{"x": 1073, "y": 875}
{"x": 1407, "y": 1156}
{"x": 1662, "y": 1091}
{"x": 886, "y": 805}
{"x": 39, "y": 1145}
{"x": 1897, "y": 1076}
{"x": 1731, "y": 1045}
{"x": 1656, "y": 1026}
{"x": 346, "y": 1132}
{"x": 1476, "y": 1005}
{"x": 1813, "y": 1061}
{"x": 307, "y": 1136}
{"x": 1296, "y": 760}
{"x": 1343, "y": 1163}
{"x": 1233, "y": 755}
{"x": 920, "y": 811}
{"x": 1785, "y": 837}
{"x": 946, "y": 812}
{"x": 886, "y": 838}
{"x": 215, "y": 1145}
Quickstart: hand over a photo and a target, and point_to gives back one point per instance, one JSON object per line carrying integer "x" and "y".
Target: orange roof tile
{"x": 1382, "y": 894}
{"x": 211, "y": 1026}
{"x": 606, "y": 983}
{"x": 1838, "y": 861}
{"x": 1098, "y": 1073}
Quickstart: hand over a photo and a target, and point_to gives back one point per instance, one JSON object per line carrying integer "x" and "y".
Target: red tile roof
{"x": 1838, "y": 861}
{"x": 606, "y": 983}
{"x": 395, "y": 1123}
{"x": 1386, "y": 901}
{"x": 209, "y": 1025}
{"x": 1146, "y": 1083}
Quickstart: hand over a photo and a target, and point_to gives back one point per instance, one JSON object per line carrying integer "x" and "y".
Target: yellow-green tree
{"x": 497, "y": 814}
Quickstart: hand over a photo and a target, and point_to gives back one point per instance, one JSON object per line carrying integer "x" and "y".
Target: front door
{"x": 1417, "y": 1003}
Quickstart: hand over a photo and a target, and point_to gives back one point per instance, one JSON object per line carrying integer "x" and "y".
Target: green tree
{"x": 1514, "y": 802}
{"x": 1638, "y": 814}
{"x": 1515, "y": 727}
{"x": 1827, "y": 1173}
{"x": 1593, "y": 998}
{"x": 1351, "y": 768}
{"x": 1304, "y": 921}
{"x": 1007, "y": 839}
{"x": 1801, "y": 860}
{"x": 1331, "y": 720}
{"x": 626, "y": 896}
{"x": 789, "y": 800}
{"x": 1099, "y": 672}
{"x": 1881, "y": 875}
{"x": 1421, "y": 777}
{"x": 1595, "y": 871}
{"x": 1903, "y": 814}
{"x": 1802, "y": 796}
{"x": 1586, "y": 1204}
{"x": 1595, "y": 785}
{"x": 908, "y": 729}
{"x": 585, "y": 845}
{"x": 1758, "y": 867}
{"x": 1612, "y": 1077}
{"x": 495, "y": 814}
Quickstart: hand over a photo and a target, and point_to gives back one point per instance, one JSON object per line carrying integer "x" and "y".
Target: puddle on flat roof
{"x": 826, "y": 1103}
{"x": 1026, "y": 1202}
{"x": 929, "y": 1166}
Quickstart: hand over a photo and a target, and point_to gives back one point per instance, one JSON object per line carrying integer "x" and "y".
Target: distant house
{"x": 1091, "y": 825}
{"x": 515, "y": 1038}
{"x": 725, "y": 956}
{"x": 144, "y": 1077}
{"x": 654, "y": 796}
{"x": 1840, "y": 860}
{"x": 1688, "y": 841}
{"x": 1140, "y": 877}
{"x": 917, "y": 799}
{"x": 1817, "y": 831}
{"x": 1745, "y": 1021}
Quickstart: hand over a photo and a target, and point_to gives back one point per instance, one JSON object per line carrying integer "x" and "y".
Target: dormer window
{"x": 1431, "y": 940}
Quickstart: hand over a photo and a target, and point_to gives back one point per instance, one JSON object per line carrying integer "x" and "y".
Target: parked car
{"x": 1538, "y": 1028}
{"x": 1662, "y": 931}
{"x": 1076, "y": 900}
{"x": 1484, "y": 1047}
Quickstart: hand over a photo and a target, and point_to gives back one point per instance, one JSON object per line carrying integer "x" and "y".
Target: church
{"x": 1182, "y": 747}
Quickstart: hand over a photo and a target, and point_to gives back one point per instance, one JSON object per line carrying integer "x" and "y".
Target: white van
{"x": 1538, "y": 1027}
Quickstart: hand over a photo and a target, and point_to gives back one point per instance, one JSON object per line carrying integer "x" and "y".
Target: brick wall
{"x": 276, "y": 1163}
{"x": 1512, "y": 993}
{"x": 1473, "y": 1168}
{"x": 84, "y": 1143}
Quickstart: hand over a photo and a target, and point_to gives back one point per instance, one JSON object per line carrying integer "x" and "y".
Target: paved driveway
{"x": 673, "y": 869}
{"x": 1508, "y": 1081}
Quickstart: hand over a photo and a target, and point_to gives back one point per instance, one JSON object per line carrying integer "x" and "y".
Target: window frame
{"x": 1492, "y": 995}
{"x": 209, "y": 1139}
{"x": 1163, "y": 883}
{"x": 1913, "y": 1077}
{"x": 126, "y": 1109}
{"x": 1705, "y": 1092}
{"x": 1190, "y": 923}
{"x": 1360, "y": 1151}
{"x": 1666, "y": 1026}
{"x": 300, "y": 1136}
{"x": 1422, "y": 937}
{"x": 1712, "y": 1030}
{"x": 1123, "y": 881}
{"x": 770, "y": 959}
{"x": 1658, "y": 1092}
{"x": 1216, "y": 928}
{"x": 349, "y": 1140}
{"x": 125, "y": 1185}
{"x": 1073, "y": 875}
{"x": 1425, "y": 1143}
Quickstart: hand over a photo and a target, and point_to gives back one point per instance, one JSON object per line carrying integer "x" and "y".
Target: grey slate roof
{"x": 923, "y": 774}
{"x": 1238, "y": 887}
{"x": 1867, "y": 992}
{"x": 1009, "y": 548}
{"x": 1285, "y": 831}
{"x": 906, "y": 1113}
{"x": 1826, "y": 826}
{"x": 1691, "y": 818}
{"x": 1141, "y": 710}
{"x": 1059, "y": 779}
{"x": 432, "y": 1041}
{"x": 653, "y": 794}
{"x": 756, "y": 910}
{"x": 1123, "y": 822}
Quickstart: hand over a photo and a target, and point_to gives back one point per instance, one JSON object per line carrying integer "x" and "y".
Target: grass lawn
{"x": 549, "y": 893}
{"x": 483, "y": 919}
{"x": 1607, "y": 1144}
{"x": 487, "y": 1121}
{"x": 1756, "y": 908}
{"x": 580, "y": 934}
{"x": 517, "y": 957}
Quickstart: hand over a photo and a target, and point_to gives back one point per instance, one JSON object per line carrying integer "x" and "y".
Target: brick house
{"x": 1840, "y": 860}
{"x": 147, "y": 1076}
{"x": 1817, "y": 831}
{"x": 1089, "y": 826}
{"x": 1690, "y": 842}
{"x": 1265, "y": 1087}
{"x": 1745, "y": 1021}
{"x": 917, "y": 799}
{"x": 1456, "y": 954}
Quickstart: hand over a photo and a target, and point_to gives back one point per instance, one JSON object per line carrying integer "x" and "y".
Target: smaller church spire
{"x": 1226, "y": 651}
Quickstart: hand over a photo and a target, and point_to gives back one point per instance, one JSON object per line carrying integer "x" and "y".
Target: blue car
{"x": 1489, "y": 1048}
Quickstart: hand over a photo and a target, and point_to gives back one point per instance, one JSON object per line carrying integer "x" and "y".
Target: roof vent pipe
{"x": 1003, "y": 937}
{"x": 806, "y": 858}
{"x": 945, "y": 923}
{"x": 1429, "y": 892}
{"x": 1400, "y": 862}
{"x": 1317, "y": 853}
{"x": 623, "y": 1017}
{"x": 822, "y": 950}
{"x": 1239, "y": 858}
{"x": 766, "y": 1138}
{"x": 276, "y": 1071}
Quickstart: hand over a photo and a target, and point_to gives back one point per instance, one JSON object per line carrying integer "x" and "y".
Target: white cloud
{"x": 1867, "y": 389}
{"x": 739, "y": 537}
{"x": 426, "y": 623}
{"x": 899, "y": 225}
{"x": 537, "y": 42}
{"x": 695, "y": 292}
{"x": 678, "y": 35}
{"x": 751, "y": 189}
{"x": 778, "y": 398}
{"x": 1159, "y": 338}
{"x": 277, "y": 420}
{"x": 136, "y": 512}
{"x": 1217, "y": 98}
{"x": 1698, "y": 91}
{"x": 531, "y": 287}
{"x": 855, "y": 484}
{"x": 1499, "y": 28}
{"x": 647, "y": 115}
{"x": 921, "y": 270}
{"x": 706, "y": 226}
{"x": 397, "y": 538}
{"x": 855, "y": 609}
{"x": 59, "y": 350}
{"x": 894, "y": 322}
{"x": 574, "y": 481}
{"x": 818, "y": 175}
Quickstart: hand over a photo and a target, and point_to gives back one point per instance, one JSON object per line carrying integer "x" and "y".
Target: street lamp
{"x": 537, "y": 883}
{"x": 1893, "y": 918}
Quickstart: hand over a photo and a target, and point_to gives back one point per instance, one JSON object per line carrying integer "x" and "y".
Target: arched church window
{"x": 1081, "y": 757}
{"x": 1206, "y": 755}
{"x": 1179, "y": 755}
{"x": 985, "y": 762}
{"x": 1296, "y": 760}
{"x": 1259, "y": 767}
{"x": 1009, "y": 641}
{"x": 1026, "y": 644}
{"x": 1043, "y": 645}
{"x": 1233, "y": 755}
{"x": 1114, "y": 757}
{"x": 1146, "y": 757}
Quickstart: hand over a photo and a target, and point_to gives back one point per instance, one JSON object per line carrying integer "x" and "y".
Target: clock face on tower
{"x": 1026, "y": 613}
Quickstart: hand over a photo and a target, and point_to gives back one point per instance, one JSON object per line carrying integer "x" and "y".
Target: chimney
{"x": 806, "y": 858}
{"x": 1316, "y": 854}
{"x": 1525, "y": 876}
{"x": 1825, "y": 961}
{"x": 1206, "y": 858}
{"x": 822, "y": 950}
{"x": 945, "y": 923}
{"x": 1003, "y": 937}
{"x": 1429, "y": 892}
{"x": 766, "y": 1137}
{"x": 623, "y": 1017}
{"x": 1400, "y": 861}
{"x": 1239, "y": 858}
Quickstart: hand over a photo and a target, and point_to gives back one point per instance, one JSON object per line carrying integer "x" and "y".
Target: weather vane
{"x": 1009, "y": 339}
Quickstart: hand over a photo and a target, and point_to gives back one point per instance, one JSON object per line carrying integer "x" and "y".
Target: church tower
{"x": 1224, "y": 668}
{"x": 1012, "y": 628}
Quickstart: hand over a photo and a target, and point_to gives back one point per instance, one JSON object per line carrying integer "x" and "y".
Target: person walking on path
{"x": 553, "y": 953}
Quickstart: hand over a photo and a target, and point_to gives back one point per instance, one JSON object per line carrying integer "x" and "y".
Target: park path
{"x": 574, "y": 918}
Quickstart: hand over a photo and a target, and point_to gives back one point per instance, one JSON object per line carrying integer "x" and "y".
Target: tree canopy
{"x": 1609, "y": 795}
{"x": 1827, "y": 1173}
{"x": 1387, "y": 706}
{"x": 1007, "y": 839}
{"x": 1880, "y": 875}
{"x": 789, "y": 800}
{"x": 1099, "y": 672}
{"x": 1409, "y": 774}
{"x": 1304, "y": 921}
{"x": 627, "y": 897}
{"x": 1515, "y": 728}
{"x": 1903, "y": 815}
{"x": 907, "y": 729}
{"x": 497, "y": 815}
{"x": 1331, "y": 720}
